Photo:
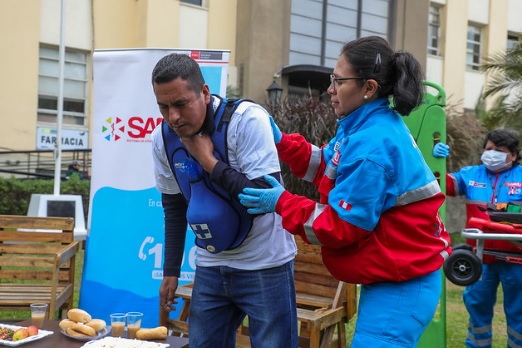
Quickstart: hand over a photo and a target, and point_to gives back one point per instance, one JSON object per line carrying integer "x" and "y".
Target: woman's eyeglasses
{"x": 334, "y": 80}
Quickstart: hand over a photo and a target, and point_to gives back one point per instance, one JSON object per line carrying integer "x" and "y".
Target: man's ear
{"x": 206, "y": 93}
{"x": 371, "y": 88}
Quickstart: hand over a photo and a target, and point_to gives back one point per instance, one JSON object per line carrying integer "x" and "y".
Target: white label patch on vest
{"x": 201, "y": 230}
{"x": 476, "y": 184}
{"x": 184, "y": 166}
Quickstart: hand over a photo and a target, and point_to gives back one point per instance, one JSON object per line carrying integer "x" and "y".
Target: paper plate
{"x": 100, "y": 334}
{"x": 41, "y": 334}
{"x": 123, "y": 343}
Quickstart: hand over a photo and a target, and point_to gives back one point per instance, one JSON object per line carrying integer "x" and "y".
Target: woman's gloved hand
{"x": 261, "y": 201}
{"x": 441, "y": 150}
{"x": 275, "y": 131}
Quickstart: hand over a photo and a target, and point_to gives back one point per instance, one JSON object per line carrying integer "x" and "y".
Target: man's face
{"x": 183, "y": 109}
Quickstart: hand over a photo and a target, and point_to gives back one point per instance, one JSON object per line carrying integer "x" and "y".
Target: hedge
{"x": 15, "y": 194}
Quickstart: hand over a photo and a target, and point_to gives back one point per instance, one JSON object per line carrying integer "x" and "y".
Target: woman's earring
{"x": 365, "y": 97}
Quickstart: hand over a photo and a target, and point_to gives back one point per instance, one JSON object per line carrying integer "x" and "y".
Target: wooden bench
{"x": 37, "y": 260}
{"x": 324, "y": 304}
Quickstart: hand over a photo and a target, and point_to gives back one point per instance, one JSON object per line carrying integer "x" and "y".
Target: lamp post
{"x": 274, "y": 93}
{"x": 58, "y": 145}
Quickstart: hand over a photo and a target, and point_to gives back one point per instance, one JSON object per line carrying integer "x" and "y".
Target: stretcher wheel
{"x": 463, "y": 267}
{"x": 462, "y": 246}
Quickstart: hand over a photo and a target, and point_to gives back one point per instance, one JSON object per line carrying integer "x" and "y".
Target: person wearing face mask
{"x": 497, "y": 180}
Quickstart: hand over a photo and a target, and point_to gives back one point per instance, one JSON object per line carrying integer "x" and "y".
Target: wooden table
{"x": 59, "y": 340}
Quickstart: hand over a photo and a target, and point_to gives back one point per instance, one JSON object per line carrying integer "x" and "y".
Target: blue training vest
{"x": 219, "y": 221}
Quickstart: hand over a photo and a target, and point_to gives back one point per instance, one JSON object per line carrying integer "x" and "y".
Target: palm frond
{"x": 500, "y": 83}
{"x": 505, "y": 85}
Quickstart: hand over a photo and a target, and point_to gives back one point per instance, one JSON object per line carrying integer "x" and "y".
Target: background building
{"x": 293, "y": 43}
{"x": 462, "y": 34}
{"x": 297, "y": 41}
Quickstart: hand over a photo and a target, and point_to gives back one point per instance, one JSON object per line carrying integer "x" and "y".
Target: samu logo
{"x": 113, "y": 130}
{"x": 135, "y": 129}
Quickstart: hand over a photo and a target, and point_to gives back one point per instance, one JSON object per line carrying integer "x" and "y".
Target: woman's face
{"x": 347, "y": 95}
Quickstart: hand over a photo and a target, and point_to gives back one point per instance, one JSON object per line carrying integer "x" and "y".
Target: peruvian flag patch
{"x": 345, "y": 205}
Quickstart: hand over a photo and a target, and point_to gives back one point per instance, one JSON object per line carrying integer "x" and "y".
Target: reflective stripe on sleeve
{"x": 319, "y": 208}
{"x": 455, "y": 184}
{"x": 313, "y": 165}
{"x": 428, "y": 190}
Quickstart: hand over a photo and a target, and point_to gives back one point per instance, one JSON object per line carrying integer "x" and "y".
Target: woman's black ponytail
{"x": 398, "y": 74}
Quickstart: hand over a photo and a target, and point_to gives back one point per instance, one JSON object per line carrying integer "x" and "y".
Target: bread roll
{"x": 78, "y": 315}
{"x": 96, "y": 324}
{"x": 75, "y": 333}
{"x": 89, "y": 331}
{"x": 157, "y": 333}
{"x": 66, "y": 323}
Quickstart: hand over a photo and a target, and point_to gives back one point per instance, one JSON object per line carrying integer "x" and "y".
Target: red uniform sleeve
{"x": 450, "y": 186}
{"x": 295, "y": 151}
{"x": 329, "y": 230}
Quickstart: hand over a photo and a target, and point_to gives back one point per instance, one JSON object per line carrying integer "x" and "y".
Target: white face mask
{"x": 494, "y": 160}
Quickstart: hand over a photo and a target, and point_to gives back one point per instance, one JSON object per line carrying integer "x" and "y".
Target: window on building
{"x": 194, "y": 2}
{"x": 512, "y": 41}
{"x": 74, "y": 86}
{"x": 320, "y": 28}
{"x": 434, "y": 31}
{"x": 474, "y": 43}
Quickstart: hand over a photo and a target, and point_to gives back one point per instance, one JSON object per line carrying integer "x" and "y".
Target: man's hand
{"x": 201, "y": 148}
{"x": 441, "y": 150}
{"x": 167, "y": 290}
{"x": 275, "y": 131}
{"x": 261, "y": 201}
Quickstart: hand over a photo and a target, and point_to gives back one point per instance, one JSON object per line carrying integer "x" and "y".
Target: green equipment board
{"x": 427, "y": 125}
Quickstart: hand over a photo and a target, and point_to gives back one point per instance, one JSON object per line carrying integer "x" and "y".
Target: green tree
{"x": 505, "y": 85}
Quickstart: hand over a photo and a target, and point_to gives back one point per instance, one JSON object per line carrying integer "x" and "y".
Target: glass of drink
{"x": 38, "y": 311}
{"x": 133, "y": 323}
{"x": 118, "y": 322}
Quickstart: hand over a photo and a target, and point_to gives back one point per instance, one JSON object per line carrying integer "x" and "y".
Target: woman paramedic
{"x": 377, "y": 220}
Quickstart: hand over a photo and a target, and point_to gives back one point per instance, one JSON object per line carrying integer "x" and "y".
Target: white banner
{"x": 124, "y": 252}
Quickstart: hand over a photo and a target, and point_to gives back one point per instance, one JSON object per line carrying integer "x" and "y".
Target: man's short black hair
{"x": 177, "y": 65}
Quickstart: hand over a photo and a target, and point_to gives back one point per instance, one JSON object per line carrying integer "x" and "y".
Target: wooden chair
{"x": 37, "y": 263}
{"x": 324, "y": 304}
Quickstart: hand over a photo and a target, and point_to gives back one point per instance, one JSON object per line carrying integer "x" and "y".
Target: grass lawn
{"x": 10, "y": 315}
{"x": 457, "y": 320}
{"x": 456, "y": 315}
{"x": 78, "y": 277}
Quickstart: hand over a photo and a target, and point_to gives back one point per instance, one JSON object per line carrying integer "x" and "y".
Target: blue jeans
{"x": 395, "y": 314}
{"x": 223, "y": 296}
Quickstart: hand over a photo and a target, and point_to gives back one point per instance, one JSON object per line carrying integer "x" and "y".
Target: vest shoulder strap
{"x": 227, "y": 108}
